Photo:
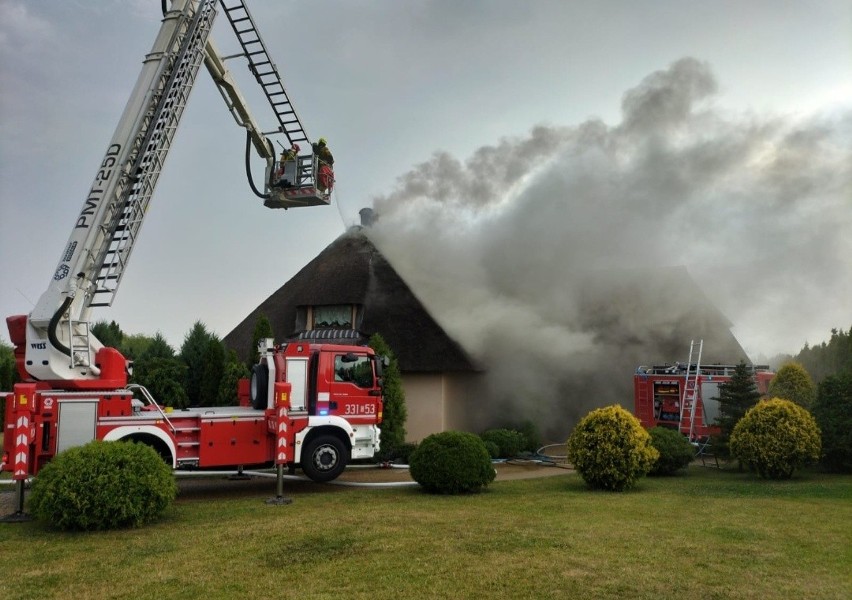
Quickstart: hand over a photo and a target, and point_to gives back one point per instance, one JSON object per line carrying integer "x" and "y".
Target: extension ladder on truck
{"x": 689, "y": 399}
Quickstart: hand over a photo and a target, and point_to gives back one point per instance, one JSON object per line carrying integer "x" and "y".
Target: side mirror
{"x": 382, "y": 362}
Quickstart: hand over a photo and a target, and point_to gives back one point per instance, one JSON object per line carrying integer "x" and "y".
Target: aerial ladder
{"x": 54, "y": 345}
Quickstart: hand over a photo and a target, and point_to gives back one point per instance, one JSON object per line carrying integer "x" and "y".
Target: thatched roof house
{"x": 346, "y": 294}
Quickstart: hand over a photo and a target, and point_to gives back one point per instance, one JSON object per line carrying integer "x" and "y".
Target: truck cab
{"x": 334, "y": 401}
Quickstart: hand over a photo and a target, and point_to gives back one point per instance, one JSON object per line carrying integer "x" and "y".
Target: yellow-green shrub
{"x": 775, "y": 437}
{"x": 610, "y": 449}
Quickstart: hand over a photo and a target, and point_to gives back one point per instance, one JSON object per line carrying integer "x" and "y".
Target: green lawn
{"x": 705, "y": 535}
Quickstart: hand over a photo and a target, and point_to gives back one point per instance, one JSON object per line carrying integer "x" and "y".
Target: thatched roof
{"x": 352, "y": 271}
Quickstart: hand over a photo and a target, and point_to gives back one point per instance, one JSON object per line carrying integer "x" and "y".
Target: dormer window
{"x": 333, "y": 316}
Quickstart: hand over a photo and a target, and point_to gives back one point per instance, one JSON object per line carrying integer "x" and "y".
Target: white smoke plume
{"x": 550, "y": 258}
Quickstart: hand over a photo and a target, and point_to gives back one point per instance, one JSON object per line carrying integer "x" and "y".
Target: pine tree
{"x": 158, "y": 348}
{"x": 192, "y": 353}
{"x": 736, "y": 396}
{"x": 211, "y": 373}
{"x": 833, "y": 412}
{"x": 8, "y": 372}
{"x": 262, "y": 330}
{"x": 161, "y": 372}
{"x": 394, "y": 412}
{"x": 164, "y": 378}
{"x": 233, "y": 372}
{"x": 109, "y": 334}
{"x": 827, "y": 359}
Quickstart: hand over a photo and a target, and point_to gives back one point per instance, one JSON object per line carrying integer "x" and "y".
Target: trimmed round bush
{"x": 398, "y": 453}
{"x": 451, "y": 462}
{"x": 510, "y": 442}
{"x": 493, "y": 449}
{"x": 531, "y": 435}
{"x": 404, "y": 451}
{"x": 610, "y": 449}
{"x": 103, "y": 485}
{"x": 775, "y": 437}
{"x": 675, "y": 450}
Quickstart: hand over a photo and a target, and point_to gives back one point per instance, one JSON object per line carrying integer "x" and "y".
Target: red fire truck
{"x": 314, "y": 406}
{"x": 684, "y": 396}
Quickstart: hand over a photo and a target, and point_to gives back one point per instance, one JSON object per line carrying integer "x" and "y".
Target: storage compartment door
{"x": 77, "y": 422}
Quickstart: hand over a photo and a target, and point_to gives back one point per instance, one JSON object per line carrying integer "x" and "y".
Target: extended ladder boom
{"x": 94, "y": 259}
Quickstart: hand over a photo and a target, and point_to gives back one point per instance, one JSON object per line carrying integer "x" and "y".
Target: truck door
{"x": 352, "y": 387}
{"x": 297, "y": 377}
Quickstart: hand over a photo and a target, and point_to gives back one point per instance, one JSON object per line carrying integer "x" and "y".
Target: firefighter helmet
{"x": 322, "y": 142}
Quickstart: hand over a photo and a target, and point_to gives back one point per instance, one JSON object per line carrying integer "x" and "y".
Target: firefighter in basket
{"x": 325, "y": 164}
{"x": 285, "y": 175}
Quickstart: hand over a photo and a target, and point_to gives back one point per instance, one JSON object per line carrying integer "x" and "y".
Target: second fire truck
{"x": 684, "y": 396}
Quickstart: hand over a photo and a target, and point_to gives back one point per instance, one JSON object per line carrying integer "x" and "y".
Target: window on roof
{"x": 335, "y": 316}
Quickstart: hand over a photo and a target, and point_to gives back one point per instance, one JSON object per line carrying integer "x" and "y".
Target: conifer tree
{"x": 833, "y": 413}
{"x": 395, "y": 413}
{"x": 213, "y": 362}
{"x": 109, "y": 334}
{"x": 192, "y": 353}
{"x": 736, "y": 396}
{"x": 262, "y": 330}
{"x": 161, "y": 372}
{"x": 8, "y": 372}
{"x": 159, "y": 347}
{"x": 826, "y": 359}
{"x": 233, "y": 372}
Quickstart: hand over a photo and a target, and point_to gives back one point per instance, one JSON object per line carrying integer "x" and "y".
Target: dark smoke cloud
{"x": 554, "y": 258}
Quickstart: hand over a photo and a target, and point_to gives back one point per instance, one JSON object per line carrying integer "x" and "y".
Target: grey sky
{"x": 390, "y": 84}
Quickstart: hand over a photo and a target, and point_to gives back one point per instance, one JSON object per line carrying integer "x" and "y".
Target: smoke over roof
{"x": 543, "y": 255}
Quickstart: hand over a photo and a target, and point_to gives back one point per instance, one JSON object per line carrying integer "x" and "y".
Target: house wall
{"x": 464, "y": 406}
{"x": 424, "y": 401}
{"x": 438, "y": 402}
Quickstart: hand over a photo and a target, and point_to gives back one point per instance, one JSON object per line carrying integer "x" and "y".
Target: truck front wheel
{"x": 324, "y": 458}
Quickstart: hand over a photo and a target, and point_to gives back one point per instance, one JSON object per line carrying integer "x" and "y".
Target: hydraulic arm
{"x": 58, "y": 344}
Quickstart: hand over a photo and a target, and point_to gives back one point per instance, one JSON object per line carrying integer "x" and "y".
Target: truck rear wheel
{"x": 259, "y": 386}
{"x": 324, "y": 458}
